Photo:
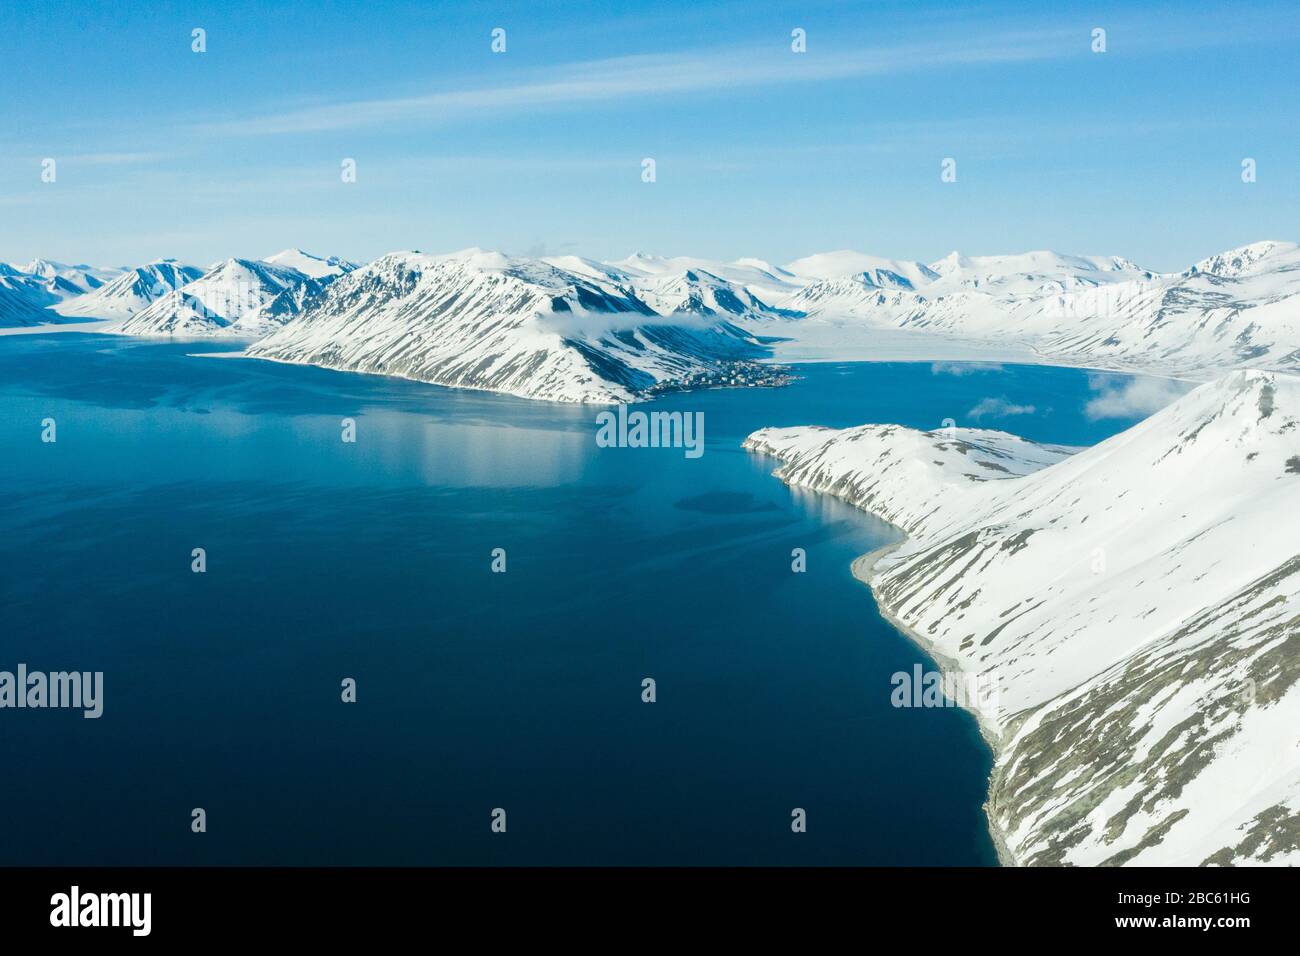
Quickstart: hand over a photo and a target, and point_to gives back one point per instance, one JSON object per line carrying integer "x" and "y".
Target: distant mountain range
{"x": 1135, "y": 607}
{"x": 574, "y": 329}
{"x": 131, "y": 291}
{"x": 523, "y": 327}
{"x": 28, "y": 291}
{"x": 236, "y": 297}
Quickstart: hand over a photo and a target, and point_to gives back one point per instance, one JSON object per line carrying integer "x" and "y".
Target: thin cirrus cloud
{"x": 594, "y": 81}
{"x": 115, "y": 159}
{"x": 86, "y": 159}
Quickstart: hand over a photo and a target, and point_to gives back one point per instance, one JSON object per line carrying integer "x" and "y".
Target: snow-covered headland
{"x": 1137, "y": 604}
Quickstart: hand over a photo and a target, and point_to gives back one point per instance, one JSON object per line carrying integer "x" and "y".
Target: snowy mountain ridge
{"x": 132, "y": 291}
{"x": 1137, "y": 605}
{"x": 238, "y": 297}
{"x": 526, "y": 327}
{"x": 1240, "y": 308}
{"x": 314, "y": 267}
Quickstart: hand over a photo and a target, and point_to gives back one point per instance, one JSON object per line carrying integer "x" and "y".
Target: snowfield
{"x": 1136, "y": 604}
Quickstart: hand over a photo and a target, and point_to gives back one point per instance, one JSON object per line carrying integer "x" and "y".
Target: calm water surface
{"x": 476, "y": 690}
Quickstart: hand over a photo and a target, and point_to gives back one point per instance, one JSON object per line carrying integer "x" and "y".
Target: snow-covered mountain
{"x": 315, "y": 267}
{"x": 956, "y": 292}
{"x": 24, "y": 299}
{"x": 69, "y": 279}
{"x": 243, "y": 297}
{"x": 1240, "y": 308}
{"x": 478, "y": 319}
{"x": 1029, "y": 273}
{"x": 1219, "y": 314}
{"x": 746, "y": 288}
{"x": 850, "y": 297}
{"x": 900, "y": 474}
{"x": 1136, "y": 605}
{"x": 132, "y": 291}
{"x": 749, "y": 272}
{"x": 1254, "y": 259}
{"x": 870, "y": 270}
{"x": 701, "y": 293}
{"x": 29, "y": 291}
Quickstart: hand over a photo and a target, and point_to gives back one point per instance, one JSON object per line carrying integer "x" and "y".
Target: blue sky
{"x": 759, "y": 151}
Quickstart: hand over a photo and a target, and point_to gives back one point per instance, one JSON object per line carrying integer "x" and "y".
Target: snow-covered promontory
{"x": 1136, "y": 605}
{"x": 526, "y": 327}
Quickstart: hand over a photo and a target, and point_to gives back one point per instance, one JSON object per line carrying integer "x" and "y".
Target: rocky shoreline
{"x": 861, "y": 568}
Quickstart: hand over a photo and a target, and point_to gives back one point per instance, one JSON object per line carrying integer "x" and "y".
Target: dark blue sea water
{"x": 476, "y": 690}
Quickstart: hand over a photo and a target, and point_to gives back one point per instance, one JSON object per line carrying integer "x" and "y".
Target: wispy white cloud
{"x": 999, "y": 408}
{"x": 963, "y": 368}
{"x": 111, "y": 159}
{"x": 644, "y": 75}
{"x": 1131, "y": 397}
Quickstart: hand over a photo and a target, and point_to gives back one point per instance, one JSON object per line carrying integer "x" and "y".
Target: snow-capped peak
{"x": 316, "y": 267}
{"x": 949, "y": 264}
{"x": 1041, "y": 262}
{"x": 237, "y": 296}
{"x": 762, "y": 265}
{"x": 132, "y": 291}
{"x": 45, "y": 268}
{"x": 1249, "y": 259}
{"x": 873, "y": 270}
{"x": 63, "y": 281}
{"x": 1028, "y": 274}
{"x": 484, "y": 260}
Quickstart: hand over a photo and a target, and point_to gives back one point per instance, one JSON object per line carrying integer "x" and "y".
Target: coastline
{"x": 861, "y": 569}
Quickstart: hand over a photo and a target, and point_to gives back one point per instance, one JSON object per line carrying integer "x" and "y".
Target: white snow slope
{"x": 29, "y": 292}
{"x": 24, "y": 300}
{"x": 68, "y": 279}
{"x": 1136, "y": 605}
{"x": 317, "y": 267}
{"x": 1237, "y": 309}
{"x": 243, "y": 297}
{"x": 524, "y": 327}
{"x": 130, "y": 292}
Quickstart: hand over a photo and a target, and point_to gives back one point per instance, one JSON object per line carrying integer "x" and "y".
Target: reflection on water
{"x": 372, "y": 560}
